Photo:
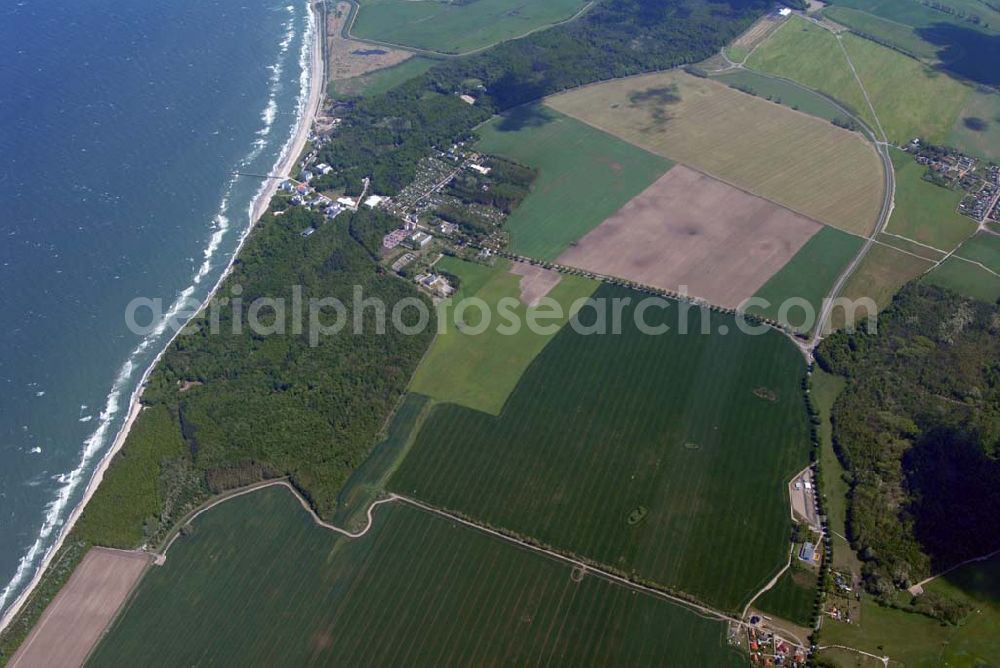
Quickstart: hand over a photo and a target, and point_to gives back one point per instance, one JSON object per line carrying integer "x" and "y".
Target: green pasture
{"x": 650, "y": 454}
{"x": 585, "y": 176}
{"x": 479, "y": 369}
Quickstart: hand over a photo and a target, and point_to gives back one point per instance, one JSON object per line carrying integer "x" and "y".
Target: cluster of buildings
{"x": 768, "y": 649}
{"x": 952, "y": 169}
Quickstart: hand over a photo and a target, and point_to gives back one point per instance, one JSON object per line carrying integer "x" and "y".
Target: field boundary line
{"x": 698, "y": 608}
{"x": 914, "y": 241}
{"x": 978, "y": 264}
{"x": 906, "y": 252}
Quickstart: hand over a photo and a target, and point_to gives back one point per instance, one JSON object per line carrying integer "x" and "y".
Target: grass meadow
{"x": 910, "y": 98}
{"x": 810, "y": 55}
{"x": 983, "y": 248}
{"x": 782, "y": 92}
{"x": 650, "y": 454}
{"x": 803, "y": 163}
{"x": 258, "y": 583}
{"x": 925, "y": 212}
{"x": 965, "y": 278}
{"x": 880, "y": 275}
{"x": 917, "y": 641}
{"x": 380, "y": 81}
{"x": 454, "y": 27}
{"x": 585, "y": 176}
{"x": 481, "y": 370}
{"x": 810, "y": 274}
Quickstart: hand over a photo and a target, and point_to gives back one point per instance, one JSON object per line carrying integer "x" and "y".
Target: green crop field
{"x": 810, "y": 274}
{"x": 910, "y": 98}
{"x": 965, "y": 278}
{"x": 585, "y": 176}
{"x": 917, "y": 641}
{"x": 480, "y": 370}
{"x": 258, "y": 583}
{"x": 793, "y": 596}
{"x": 456, "y": 27}
{"x": 783, "y": 92}
{"x": 664, "y": 456}
{"x": 983, "y": 248}
{"x": 379, "y": 81}
{"x": 925, "y": 212}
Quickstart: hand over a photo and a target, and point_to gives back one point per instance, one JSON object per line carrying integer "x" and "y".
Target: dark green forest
{"x": 918, "y": 430}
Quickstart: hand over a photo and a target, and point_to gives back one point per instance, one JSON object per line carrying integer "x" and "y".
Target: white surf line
{"x": 292, "y": 148}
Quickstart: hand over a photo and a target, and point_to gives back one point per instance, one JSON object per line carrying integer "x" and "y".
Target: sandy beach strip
{"x": 284, "y": 167}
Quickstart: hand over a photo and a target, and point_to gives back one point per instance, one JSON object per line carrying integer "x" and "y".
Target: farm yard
{"x": 656, "y": 457}
{"x": 689, "y": 229}
{"x": 456, "y": 27}
{"x": 416, "y": 589}
{"x": 585, "y": 175}
{"x": 79, "y": 614}
{"x": 480, "y": 369}
{"x": 809, "y": 275}
{"x": 925, "y": 212}
{"x": 798, "y": 161}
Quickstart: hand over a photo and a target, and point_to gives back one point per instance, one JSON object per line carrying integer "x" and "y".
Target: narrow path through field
{"x": 883, "y": 659}
{"x": 952, "y": 568}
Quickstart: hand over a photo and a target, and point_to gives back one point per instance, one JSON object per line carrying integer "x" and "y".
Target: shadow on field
{"x": 528, "y": 116}
{"x": 965, "y": 52}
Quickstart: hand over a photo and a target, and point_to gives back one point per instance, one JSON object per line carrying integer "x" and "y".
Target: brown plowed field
{"x": 688, "y": 229}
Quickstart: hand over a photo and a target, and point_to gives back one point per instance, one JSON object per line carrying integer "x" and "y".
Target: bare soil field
{"x": 536, "y": 282}
{"x": 801, "y": 162}
{"x": 690, "y": 229}
{"x": 79, "y": 614}
{"x": 350, "y": 58}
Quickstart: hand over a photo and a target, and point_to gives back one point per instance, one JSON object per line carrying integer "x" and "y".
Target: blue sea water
{"x": 121, "y": 123}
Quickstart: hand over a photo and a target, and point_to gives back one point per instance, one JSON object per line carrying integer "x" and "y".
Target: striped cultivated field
{"x": 665, "y": 457}
{"x": 258, "y": 583}
{"x": 801, "y": 162}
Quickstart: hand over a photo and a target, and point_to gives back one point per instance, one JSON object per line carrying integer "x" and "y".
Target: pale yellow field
{"x": 801, "y": 162}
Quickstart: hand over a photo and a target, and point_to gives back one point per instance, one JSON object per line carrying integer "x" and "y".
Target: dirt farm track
{"x": 76, "y": 618}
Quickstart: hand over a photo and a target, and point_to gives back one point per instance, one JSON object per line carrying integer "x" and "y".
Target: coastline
{"x": 286, "y": 161}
